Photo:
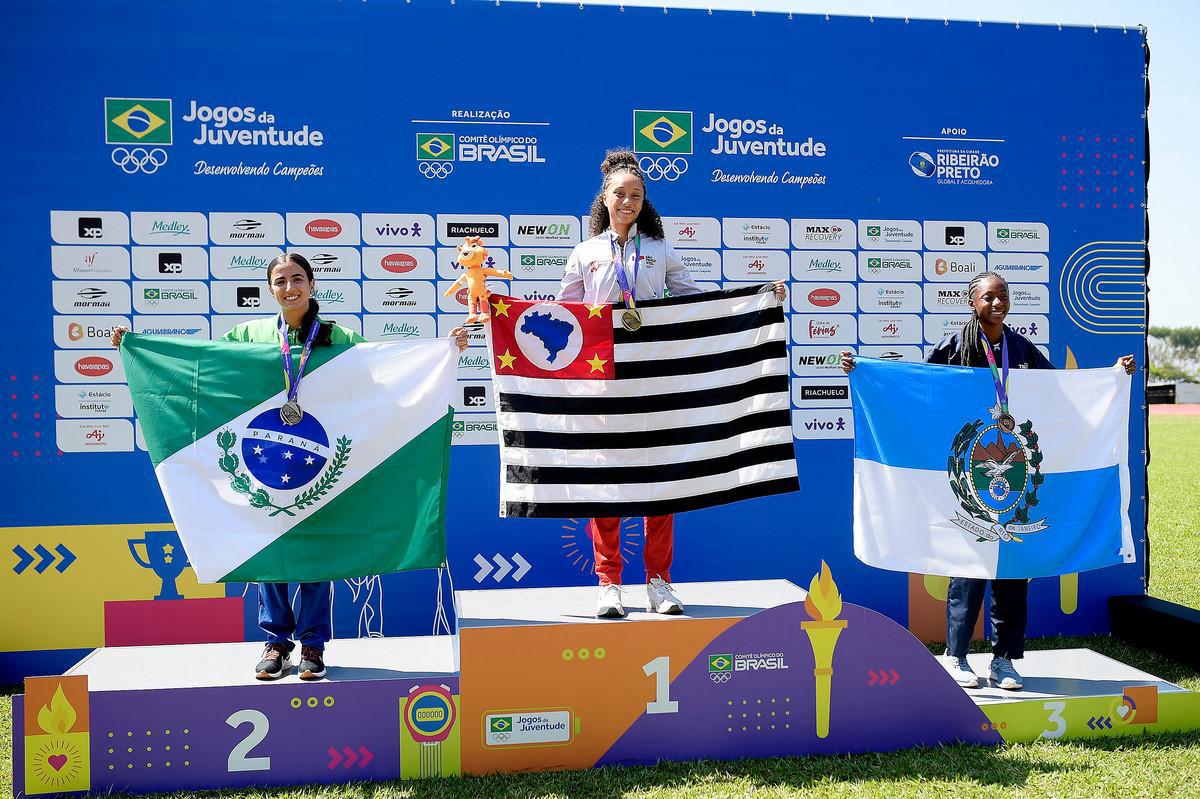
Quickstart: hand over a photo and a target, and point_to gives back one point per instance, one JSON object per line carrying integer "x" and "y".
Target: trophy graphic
{"x": 823, "y": 604}
{"x": 165, "y": 555}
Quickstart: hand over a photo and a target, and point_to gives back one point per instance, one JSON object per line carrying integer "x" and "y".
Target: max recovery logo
{"x": 142, "y": 122}
{"x": 435, "y": 155}
{"x": 661, "y": 139}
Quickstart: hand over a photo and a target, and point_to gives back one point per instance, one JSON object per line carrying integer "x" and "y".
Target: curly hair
{"x": 970, "y": 346}
{"x": 616, "y": 162}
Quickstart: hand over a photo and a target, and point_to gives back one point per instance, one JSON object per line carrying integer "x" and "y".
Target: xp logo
{"x": 658, "y": 135}
{"x": 435, "y": 154}
{"x": 429, "y": 713}
{"x": 142, "y": 122}
{"x": 921, "y": 164}
{"x": 248, "y": 297}
{"x": 91, "y": 227}
{"x": 956, "y": 235}
{"x": 720, "y": 668}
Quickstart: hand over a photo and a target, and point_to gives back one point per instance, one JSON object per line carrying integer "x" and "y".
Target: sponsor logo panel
{"x": 541, "y": 230}
{"x": 824, "y": 265}
{"x": 538, "y": 264}
{"x": 343, "y": 263}
{"x": 824, "y": 329}
{"x": 897, "y": 352}
{"x": 222, "y": 324}
{"x": 241, "y": 263}
{"x": 167, "y": 229}
{"x": 756, "y": 265}
{"x": 347, "y": 320}
{"x": 183, "y": 326}
{"x": 92, "y": 401}
{"x": 818, "y": 424}
{"x": 408, "y": 230}
{"x": 953, "y": 163}
{"x": 1029, "y": 298}
{"x": 90, "y": 296}
{"x": 323, "y": 228}
{"x": 890, "y": 297}
{"x": 818, "y": 361}
{"x": 964, "y": 235}
{"x": 170, "y": 297}
{"x": 821, "y": 392}
{"x": 88, "y": 366}
{"x": 753, "y": 232}
{"x": 170, "y": 263}
{"x": 80, "y": 435}
{"x": 474, "y": 428}
{"x": 1018, "y": 236}
{"x": 946, "y": 297}
{"x": 453, "y": 228}
{"x": 242, "y": 297}
{"x": 245, "y": 228}
{"x": 889, "y": 265}
{"x": 531, "y": 728}
{"x": 824, "y": 234}
{"x": 536, "y": 289}
{"x": 1034, "y": 328}
{"x": 89, "y": 227}
{"x": 448, "y": 268}
{"x": 889, "y": 328}
{"x": 938, "y": 326}
{"x": 827, "y": 297}
{"x": 474, "y": 364}
{"x": 399, "y": 296}
{"x": 84, "y": 263}
{"x": 953, "y": 267}
{"x": 338, "y": 297}
{"x": 889, "y": 234}
{"x": 701, "y": 264}
{"x": 476, "y": 333}
{"x": 399, "y": 263}
{"x": 398, "y": 327}
{"x": 1020, "y": 266}
{"x": 474, "y": 396}
{"x": 692, "y": 231}
{"x": 85, "y": 332}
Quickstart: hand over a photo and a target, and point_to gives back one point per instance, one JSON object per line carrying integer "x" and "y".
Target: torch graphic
{"x": 823, "y": 604}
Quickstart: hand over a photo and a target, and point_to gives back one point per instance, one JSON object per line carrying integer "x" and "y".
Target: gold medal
{"x": 631, "y": 319}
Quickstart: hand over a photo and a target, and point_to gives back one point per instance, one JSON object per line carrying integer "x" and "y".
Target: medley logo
{"x": 143, "y": 123}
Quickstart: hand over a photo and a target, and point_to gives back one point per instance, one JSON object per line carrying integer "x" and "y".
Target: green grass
{"x": 1119, "y": 768}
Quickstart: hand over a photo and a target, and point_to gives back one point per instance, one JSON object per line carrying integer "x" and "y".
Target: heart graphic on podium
{"x": 57, "y": 761}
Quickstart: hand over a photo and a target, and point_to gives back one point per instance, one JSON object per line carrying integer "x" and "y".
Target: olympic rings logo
{"x": 139, "y": 159}
{"x": 663, "y": 168}
{"x": 720, "y": 676}
{"x": 501, "y": 736}
{"x": 435, "y": 169}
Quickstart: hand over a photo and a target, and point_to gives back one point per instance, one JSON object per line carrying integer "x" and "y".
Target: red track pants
{"x": 658, "y": 550}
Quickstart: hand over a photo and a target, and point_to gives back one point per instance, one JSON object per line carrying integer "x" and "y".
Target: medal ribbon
{"x": 1001, "y": 381}
{"x": 619, "y": 265}
{"x": 291, "y": 380}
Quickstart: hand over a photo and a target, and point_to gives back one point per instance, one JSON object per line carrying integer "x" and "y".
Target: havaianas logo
{"x": 995, "y": 475}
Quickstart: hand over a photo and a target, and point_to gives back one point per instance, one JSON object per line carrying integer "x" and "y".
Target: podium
{"x": 533, "y": 681}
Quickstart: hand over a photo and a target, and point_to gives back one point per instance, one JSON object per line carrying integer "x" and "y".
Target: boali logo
{"x": 91, "y": 227}
{"x": 75, "y": 331}
{"x": 323, "y": 228}
{"x": 93, "y": 366}
{"x": 435, "y": 154}
{"x": 659, "y": 135}
{"x": 956, "y": 236}
{"x": 922, "y": 164}
{"x": 248, "y": 297}
{"x": 170, "y": 263}
{"x": 824, "y": 297}
{"x": 398, "y": 263}
{"x": 143, "y": 123}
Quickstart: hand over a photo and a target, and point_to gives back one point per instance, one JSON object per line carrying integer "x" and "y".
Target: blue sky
{"x": 1174, "y": 34}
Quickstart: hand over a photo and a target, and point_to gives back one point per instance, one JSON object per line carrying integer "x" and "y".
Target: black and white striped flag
{"x": 690, "y": 411}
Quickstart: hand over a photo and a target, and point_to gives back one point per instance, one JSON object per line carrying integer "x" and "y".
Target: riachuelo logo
{"x": 661, "y": 139}
{"x": 995, "y": 473}
{"x": 142, "y": 122}
{"x": 282, "y": 457}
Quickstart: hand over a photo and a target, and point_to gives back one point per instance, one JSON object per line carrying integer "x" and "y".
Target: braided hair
{"x": 616, "y": 162}
{"x": 970, "y": 346}
{"x": 325, "y": 335}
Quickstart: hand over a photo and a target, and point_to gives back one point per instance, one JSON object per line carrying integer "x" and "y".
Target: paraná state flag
{"x": 357, "y": 487}
{"x": 944, "y": 484}
{"x": 689, "y": 411}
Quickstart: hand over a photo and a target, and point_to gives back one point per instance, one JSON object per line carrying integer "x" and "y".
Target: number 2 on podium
{"x": 660, "y": 667}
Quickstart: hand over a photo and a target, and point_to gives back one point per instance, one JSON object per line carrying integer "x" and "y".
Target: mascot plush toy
{"x": 471, "y": 255}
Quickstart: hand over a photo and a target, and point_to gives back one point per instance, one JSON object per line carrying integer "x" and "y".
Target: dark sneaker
{"x": 312, "y": 663}
{"x": 276, "y": 662}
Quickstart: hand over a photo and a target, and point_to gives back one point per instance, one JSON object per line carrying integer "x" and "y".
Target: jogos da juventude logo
{"x": 995, "y": 473}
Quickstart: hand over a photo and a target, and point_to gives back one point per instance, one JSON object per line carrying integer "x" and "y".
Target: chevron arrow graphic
{"x": 485, "y": 568}
{"x": 365, "y": 756}
{"x": 874, "y": 677}
{"x": 351, "y": 757}
{"x": 47, "y": 557}
{"x": 68, "y": 557}
{"x": 335, "y": 757}
{"x": 895, "y": 676}
{"x": 1092, "y": 722}
{"x": 503, "y": 567}
{"x": 523, "y": 567}
{"x": 23, "y": 558}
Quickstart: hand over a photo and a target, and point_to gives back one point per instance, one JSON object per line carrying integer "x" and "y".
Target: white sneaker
{"x": 661, "y": 598}
{"x": 609, "y": 606}
{"x": 961, "y": 671}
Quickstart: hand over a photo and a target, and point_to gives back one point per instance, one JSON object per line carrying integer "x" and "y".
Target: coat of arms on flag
{"x": 689, "y": 411}
{"x": 939, "y": 490}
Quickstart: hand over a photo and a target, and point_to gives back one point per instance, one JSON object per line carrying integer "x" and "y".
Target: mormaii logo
{"x": 822, "y": 329}
{"x": 824, "y": 298}
{"x": 93, "y": 366}
{"x": 398, "y": 263}
{"x": 323, "y": 229}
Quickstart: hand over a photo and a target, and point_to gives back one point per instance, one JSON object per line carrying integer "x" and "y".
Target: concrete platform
{"x": 1063, "y": 674}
